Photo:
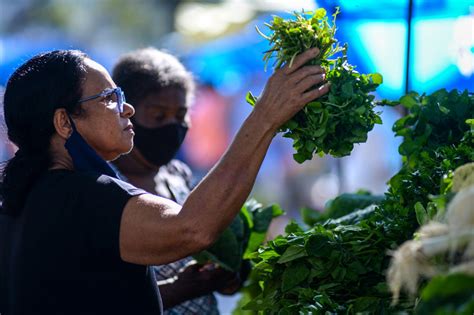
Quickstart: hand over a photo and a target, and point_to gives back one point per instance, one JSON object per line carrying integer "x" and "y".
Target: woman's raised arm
{"x": 156, "y": 231}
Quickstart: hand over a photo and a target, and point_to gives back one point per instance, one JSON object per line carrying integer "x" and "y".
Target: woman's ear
{"x": 62, "y": 123}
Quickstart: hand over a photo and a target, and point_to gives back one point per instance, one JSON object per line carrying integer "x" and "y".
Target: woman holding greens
{"x": 89, "y": 235}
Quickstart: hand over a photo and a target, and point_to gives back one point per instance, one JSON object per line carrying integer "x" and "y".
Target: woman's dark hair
{"x": 35, "y": 90}
{"x": 149, "y": 70}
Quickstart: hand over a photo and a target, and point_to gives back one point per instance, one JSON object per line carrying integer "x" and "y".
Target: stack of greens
{"x": 245, "y": 234}
{"x": 339, "y": 265}
{"x": 342, "y": 117}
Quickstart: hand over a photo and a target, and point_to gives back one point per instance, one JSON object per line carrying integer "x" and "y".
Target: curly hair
{"x": 149, "y": 70}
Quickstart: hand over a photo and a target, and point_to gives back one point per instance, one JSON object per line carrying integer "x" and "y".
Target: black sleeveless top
{"x": 64, "y": 251}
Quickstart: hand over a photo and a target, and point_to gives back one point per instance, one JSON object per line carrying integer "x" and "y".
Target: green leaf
{"x": 445, "y": 286}
{"x": 357, "y": 267}
{"x": 247, "y": 215}
{"x": 269, "y": 254}
{"x": 320, "y": 13}
{"x": 291, "y": 253}
{"x": 378, "y": 120}
{"x": 317, "y": 133}
{"x": 251, "y": 99}
{"x": 310, "y": 146}
{"x": 470, "y": 122}
{"x": 443, "y": 109}
{"x": 377, "y": 78}
{"x": 408, "y": 101}
{"x": 326, "y": 286}
{"x": 347, "y": 89}
{"x": 299, "y": 157}
{"x": 318, "y": 245}
{"x": 338, "y": 273}
{"x": 421, "y": 213}
{"x": 291, "y": 124}
{"x": 254, "y": 242}
{"x": 310, "y": 216}
{"x": 259, "y": 303}
{"x": 360, "y": 110}
{"x": 315, "y": 106}
{"x": 365, "y": 303}
{"x": 277, "y": 210}
{"x": 294, "y": 275}
{"x": 262, "y": 219}
{"x": 293, "y": 227}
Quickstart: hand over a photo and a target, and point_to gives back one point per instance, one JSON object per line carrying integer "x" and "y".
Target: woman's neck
{"x": 60, "y": 158}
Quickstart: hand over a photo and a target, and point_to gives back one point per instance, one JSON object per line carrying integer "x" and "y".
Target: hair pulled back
{"x": 44, "y": 83}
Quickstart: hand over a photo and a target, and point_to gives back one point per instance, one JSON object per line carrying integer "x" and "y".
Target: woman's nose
{"x": 128, "y": 110}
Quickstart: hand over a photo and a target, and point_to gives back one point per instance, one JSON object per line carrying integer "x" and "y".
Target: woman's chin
{"x": 128, "y": 148}
{"x": 122, "y": 151}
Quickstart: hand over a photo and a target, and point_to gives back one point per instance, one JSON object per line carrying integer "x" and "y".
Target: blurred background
{"x": 420, "y": 45}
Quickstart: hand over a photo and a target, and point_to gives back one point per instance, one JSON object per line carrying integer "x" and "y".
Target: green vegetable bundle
{"x": 339, "y": 266}
{"x": 437, "y": 138}
{"x": 335, "y": 122}
{"x": 244, "y": 235}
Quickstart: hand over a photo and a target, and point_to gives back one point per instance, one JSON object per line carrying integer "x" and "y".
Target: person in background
{"x": 161, "y": 91}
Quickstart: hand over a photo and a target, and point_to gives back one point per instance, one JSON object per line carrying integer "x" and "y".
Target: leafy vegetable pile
{"x": 342, "y": 117}
{"x": 438, "y": 138}
{"x": 339, "y": 265}
{"x": 245, "y": 234}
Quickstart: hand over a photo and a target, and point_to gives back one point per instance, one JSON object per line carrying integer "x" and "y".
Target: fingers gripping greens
{"x": 342, "y": 117}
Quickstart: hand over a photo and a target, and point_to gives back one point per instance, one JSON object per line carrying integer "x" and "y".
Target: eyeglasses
{"x": 117, "y": 92}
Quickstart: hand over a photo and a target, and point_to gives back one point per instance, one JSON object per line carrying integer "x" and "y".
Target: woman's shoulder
{"x": 87, "y": 182}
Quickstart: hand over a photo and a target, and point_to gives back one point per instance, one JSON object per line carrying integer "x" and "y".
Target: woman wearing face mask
{"x": 161, "y": 90}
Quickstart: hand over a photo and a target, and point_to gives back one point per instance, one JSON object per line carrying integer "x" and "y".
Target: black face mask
{"x": 159, "y": 145}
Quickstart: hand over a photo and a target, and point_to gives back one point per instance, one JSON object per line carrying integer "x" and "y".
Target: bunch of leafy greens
{"x": 437, "y": 138}
{"x": 342, "y": 117}
{"x": 339, "y": 265}
{"x": 244, "y": 235}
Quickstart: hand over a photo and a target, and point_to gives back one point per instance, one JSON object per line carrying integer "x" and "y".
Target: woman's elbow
{"x": 199, "y": 238}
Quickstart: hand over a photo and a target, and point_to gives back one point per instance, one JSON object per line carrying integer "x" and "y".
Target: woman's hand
{"x": 290, "y": 88}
